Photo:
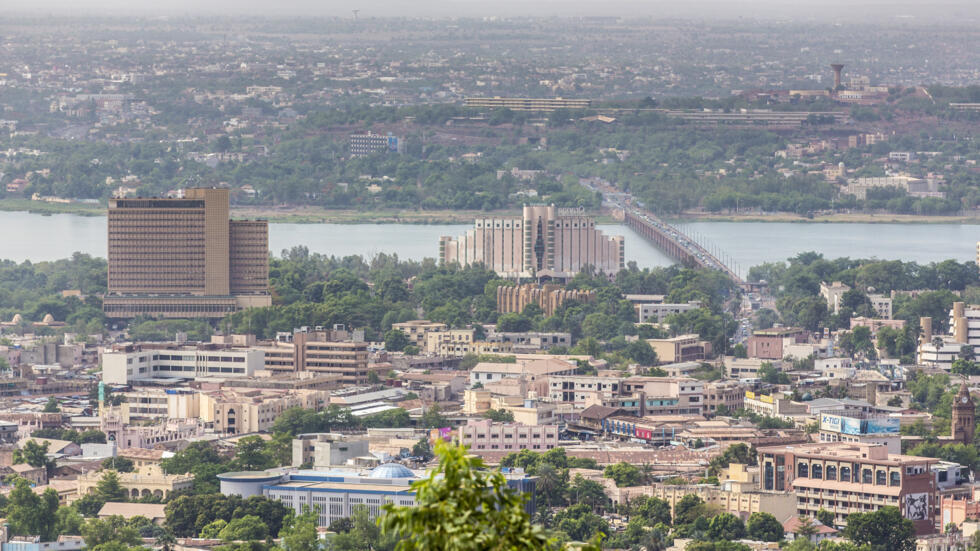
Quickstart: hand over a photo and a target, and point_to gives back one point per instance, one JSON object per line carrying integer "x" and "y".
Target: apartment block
{"x": 183, "y": 258}
{"x": 418, "y": 330}
{"x": 484, "y": 434}
{"x": 307, "y": 350}
{"x": 729, "y": 394}
{"x": 369, "y": 143}
{"x": 848, "y": 478}
{"x": 545, "y": 241}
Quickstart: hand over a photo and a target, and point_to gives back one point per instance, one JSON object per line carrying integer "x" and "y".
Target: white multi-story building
{"x": 134, "y": 363}
{"x": 658, "y": 311}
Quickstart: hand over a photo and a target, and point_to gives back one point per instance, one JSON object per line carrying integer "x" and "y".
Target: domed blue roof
{"x": 391, "y": 470}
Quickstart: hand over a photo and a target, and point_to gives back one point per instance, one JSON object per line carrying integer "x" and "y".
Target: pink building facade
{"x": 484, "y": 434}
{"x": 544, "y": 241}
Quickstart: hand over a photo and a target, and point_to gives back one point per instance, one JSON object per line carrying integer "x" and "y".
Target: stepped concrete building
{"x": 183, "y": 258}
{"x": 513, "y": 299}
{"x": 544, "y": 242}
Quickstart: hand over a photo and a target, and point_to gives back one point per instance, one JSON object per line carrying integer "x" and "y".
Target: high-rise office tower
{"x": 184, "y": 258}
{"x": 545, "y": 242}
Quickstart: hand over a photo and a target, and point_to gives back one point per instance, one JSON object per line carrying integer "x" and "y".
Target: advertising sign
{"x": 878, "y": 426}
{"x": 830, "y": 422}
{"x": 849, "y": 425}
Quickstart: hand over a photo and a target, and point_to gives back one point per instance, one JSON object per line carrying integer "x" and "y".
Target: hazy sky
{"x": 961, "y": 11}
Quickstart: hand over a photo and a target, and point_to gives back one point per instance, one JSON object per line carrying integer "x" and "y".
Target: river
{"x": 35, "y": 237}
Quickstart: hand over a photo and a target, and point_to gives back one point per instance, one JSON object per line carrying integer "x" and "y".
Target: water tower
{"x": 837, "y": 67}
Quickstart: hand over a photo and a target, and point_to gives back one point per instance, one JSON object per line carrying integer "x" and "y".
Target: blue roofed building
{"x": 336, "y": 493}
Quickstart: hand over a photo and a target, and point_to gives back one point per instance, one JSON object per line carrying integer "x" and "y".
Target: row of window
{"x": 879, "y": 477}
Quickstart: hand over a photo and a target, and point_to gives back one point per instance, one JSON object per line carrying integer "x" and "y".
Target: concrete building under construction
{"x": 515, "y": 298}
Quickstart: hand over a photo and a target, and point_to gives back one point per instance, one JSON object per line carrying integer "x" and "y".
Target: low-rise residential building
{"x": 851, "y": 478}
{"x": 484, "y": 434}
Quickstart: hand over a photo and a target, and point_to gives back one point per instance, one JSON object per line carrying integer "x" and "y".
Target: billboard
{"x": 830, "y": 422}
{"x": 889, "y": 425}
{"x": 850, "y": 425}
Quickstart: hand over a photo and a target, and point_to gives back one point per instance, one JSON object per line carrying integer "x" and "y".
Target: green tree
{"x": 422, "y": 449}
{"x": 362, "y": 534}
{"x": 764, "y": 527}
{"x": 118, "y": 464}
{"x": 499, "y": 415}
{"x": 461, "y": 506}
{"x": 726, "y": 526}
{"x": 580, "y": 522}
{"x": 299, "y": 533}
{"x": 109, "y": 489}
{"x": 589, "y": 492}
{"x": 35, "y": 455}
{"x": 433, "y": 418}
{"x": 29, "y": 514}
{"x": 624, "y": 474}
{"x": 213, "y": 528}
{"x": 115, "y": 529}
{"x": 251, "y": 454}
{"x": 246, "y": 528}
{"x": 884, "y": 529}
{"x": 826, "y": 517}
{"x": 396, "y": 340}
{"x": 652, "y": 510}
{"x": 687, "y": 509}
{"x": 51, "y": 406}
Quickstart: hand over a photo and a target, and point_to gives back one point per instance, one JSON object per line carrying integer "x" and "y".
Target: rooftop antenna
{"x": 355, "y": 14}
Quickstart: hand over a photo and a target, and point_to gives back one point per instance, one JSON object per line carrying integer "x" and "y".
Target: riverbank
{"x": 296, "y": 214}
{"x": 43, "y": 207}
{"x": 841, "y": 218}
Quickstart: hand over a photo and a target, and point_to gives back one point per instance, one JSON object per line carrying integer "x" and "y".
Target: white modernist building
{"x": 135, "y": 363}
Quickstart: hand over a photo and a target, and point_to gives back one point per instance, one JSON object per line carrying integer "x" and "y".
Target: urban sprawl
{"x": 524, "y": 387}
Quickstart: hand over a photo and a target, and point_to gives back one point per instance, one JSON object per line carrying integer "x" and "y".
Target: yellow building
{"x": 417, "y": 330}
{"x": 149, "y": 480}
{"x": 246, "y": 411}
